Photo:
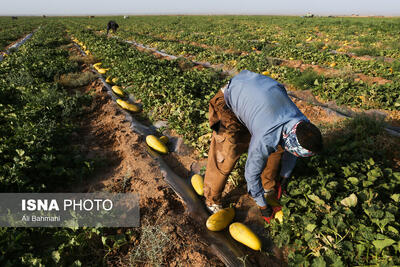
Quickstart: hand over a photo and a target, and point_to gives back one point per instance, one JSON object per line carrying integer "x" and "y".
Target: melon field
{"x": 74, "y": 102}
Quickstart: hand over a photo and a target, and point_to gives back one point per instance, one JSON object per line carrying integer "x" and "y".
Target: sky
{"x": 265, "y": 7}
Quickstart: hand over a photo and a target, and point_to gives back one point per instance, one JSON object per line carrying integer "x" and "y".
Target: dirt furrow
{"x": 125, "y": 166}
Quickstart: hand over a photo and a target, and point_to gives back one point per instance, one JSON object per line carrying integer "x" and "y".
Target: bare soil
{"x": 330, "y": 72}
{"x": 105, "y": 135}
{"x": 366, "y": 57}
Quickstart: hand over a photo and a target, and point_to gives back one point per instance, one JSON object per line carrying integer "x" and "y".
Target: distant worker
{"x": 112, "y": 25}
{"x": 253, "y": 112}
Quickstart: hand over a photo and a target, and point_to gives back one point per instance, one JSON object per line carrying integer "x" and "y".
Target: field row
{"x": 12, "y": 30}
{"x": 38, "y": 117}
{"x": 344, "y": 206}
{"x": 244, "y": 33}
{"x": 170, "y": 91}
{"x": 360, "y": 83}
{"x": 232, "y": 37}
{"x": 345, "y": 86}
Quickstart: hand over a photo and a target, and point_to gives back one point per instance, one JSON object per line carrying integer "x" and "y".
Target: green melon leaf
{"x": 395, "y": 197}
{"x": 316, "y": 199}
{"x": 310, "y": 227}
{"x": 350, "y": 201}
{"x": 381, "y": 244}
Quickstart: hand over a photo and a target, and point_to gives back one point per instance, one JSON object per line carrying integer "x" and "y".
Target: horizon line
{"x": 199, "y": 14}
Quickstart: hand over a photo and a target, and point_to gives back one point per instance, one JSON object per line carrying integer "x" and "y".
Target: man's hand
{"x": 267, "y": 213}
{"x": 284, "y": 182}
{"x": 281, "y": 186}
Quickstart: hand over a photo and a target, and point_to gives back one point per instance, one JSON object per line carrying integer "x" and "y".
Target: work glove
{"x": 267, "y": 213}
{"x": 281, "y": 187}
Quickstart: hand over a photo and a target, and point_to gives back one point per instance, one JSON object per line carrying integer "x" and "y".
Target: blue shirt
{"x": 263, "y": 106}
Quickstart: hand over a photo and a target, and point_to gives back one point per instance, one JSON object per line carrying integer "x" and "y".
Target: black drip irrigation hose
{"x": 392, "y": 130}
{"x": 18, "y": 44}
{"x": 222, "y": 244}
{"x": 227, "y": 250}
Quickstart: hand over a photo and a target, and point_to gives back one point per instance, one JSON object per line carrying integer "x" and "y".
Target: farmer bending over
{"x": 112, "y": 25}
{"x": 254, "y": 113}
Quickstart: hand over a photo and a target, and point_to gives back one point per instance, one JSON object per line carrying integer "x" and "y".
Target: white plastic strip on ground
{"x": 18, "y": 44}
{"x": 149, "y": 48}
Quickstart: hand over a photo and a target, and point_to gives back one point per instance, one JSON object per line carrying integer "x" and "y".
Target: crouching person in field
{"x": 254, "y": 114}
{"x": 112, "y": 25}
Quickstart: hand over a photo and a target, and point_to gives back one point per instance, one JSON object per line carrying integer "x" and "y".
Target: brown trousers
{"x": 229, "y": 140}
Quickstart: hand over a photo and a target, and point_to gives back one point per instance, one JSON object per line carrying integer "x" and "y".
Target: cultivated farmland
{"x": 62, "y": 132}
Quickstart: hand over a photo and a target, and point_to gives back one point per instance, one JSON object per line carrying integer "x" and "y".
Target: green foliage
{"x": 342, "y": 207}
{"x": 12, "y": 30}
{"x": 51, "y": 247}
{"x": 178, "y": 95}
{"x": 306, "y": 79}
{"x": 36, "y": 121}
{"x": 259, "y": 43}
{"x": 37, "y": 116}
{"x": 369, "y": 51}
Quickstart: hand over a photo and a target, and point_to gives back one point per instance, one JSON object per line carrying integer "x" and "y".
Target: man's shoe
{"x": 214, "y": 208}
